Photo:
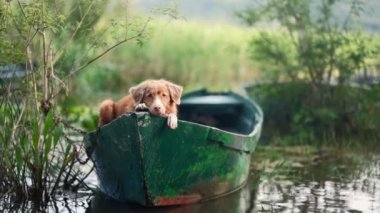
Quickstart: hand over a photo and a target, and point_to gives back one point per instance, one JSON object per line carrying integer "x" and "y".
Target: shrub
{"x": 293, "y": 114}
{"x": 317, "y": 55}
{"x": 43, "y": 44}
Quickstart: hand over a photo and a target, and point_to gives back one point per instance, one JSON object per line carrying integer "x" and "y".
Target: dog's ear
{"x": 175, "y": 92}
{"x": 137, "y": 93}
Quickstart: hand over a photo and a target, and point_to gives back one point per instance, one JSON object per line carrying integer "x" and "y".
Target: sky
{"x": 222, "y": 11}
{"x": 212, "y": 11}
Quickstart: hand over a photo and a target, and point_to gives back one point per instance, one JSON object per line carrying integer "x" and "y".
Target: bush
{"x": 317, "y": 55}
{"x": 294, "y": 112}
{"x": 48, "y": 43}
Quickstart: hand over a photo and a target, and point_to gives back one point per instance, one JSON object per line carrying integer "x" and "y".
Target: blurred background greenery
{"x": 189, "y": 53}
{"x": 321, "y": 88}
{"x": 313, "y": 66}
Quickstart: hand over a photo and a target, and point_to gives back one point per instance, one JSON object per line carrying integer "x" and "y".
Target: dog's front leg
{"x": 172, "y": 121}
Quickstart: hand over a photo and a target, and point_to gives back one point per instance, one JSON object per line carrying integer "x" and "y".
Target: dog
{"x": 159, "y": 97}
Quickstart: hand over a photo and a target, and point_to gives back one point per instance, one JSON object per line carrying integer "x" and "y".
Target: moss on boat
{"x": 139, "y": 159}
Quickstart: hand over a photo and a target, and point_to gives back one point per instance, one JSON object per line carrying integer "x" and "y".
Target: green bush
{"x": 50, "y": 42}
{"x": 293, "y": 112}
{"x": 317, "y": 55}
{"x": 312, "y": 46}
{"x": 83, "y": 116}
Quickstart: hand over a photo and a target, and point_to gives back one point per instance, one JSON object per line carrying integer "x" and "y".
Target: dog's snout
{"x": 157, "y": 108}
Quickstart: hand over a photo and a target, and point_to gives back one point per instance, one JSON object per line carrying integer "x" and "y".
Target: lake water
{"x": 295, "y": 179}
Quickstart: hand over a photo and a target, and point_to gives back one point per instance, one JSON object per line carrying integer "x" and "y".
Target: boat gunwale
{"x": 246, "y": 141}
{"x": 255, "y": 106}
{"x": 257, "y": 126}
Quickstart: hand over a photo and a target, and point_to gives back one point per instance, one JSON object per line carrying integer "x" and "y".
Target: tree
{"x": 43, "y": 44}
{"x": 316, "y": 49}
{"x": 314, "y": 44}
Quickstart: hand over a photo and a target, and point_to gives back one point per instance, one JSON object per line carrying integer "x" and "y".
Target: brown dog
{"x": 160, "y": 97}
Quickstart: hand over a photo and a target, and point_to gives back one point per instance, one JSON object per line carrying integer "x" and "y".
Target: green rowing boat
{"x": 139, "y": 159}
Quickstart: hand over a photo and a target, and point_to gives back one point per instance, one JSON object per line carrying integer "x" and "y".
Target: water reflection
{"x": 232, "y": 203}
{"x": 333, "y": 184}
{"x": 336, "y": 184}
{"x": 289, "y": 182}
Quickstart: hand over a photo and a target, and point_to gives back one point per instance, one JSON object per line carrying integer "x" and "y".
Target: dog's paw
{"x": 141, "y": 107}
{"x": 172, "y": 121}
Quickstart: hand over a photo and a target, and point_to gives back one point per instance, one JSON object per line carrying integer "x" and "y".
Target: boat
{"x": 139, "y": 159}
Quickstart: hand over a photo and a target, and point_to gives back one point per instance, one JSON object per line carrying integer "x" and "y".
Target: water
{"x": 281, "y": 180}
{"x": 330, "y": 181}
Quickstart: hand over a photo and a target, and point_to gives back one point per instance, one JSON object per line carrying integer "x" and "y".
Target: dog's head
{"x": 158, "y": 95}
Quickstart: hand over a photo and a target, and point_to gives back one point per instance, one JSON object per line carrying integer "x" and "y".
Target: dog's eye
{"x": 164, "y": 95}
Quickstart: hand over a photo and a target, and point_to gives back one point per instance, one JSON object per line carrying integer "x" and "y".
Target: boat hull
{"x": 139, "y": 159}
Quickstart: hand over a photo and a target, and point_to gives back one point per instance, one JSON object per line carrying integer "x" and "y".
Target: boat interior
{"x": 226, "y": 112}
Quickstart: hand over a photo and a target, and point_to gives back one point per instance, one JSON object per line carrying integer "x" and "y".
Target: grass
{"x": 192, "y": 54}
{"x": 195, "y": 55}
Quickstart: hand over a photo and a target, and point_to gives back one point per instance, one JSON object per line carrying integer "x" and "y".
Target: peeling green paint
{"x": 138, "y": 158}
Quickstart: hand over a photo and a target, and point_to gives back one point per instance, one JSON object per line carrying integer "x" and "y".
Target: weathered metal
{"x": 139, "y": 159}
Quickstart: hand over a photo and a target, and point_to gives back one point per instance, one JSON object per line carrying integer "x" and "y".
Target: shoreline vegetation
{"x": 317, "y": 82}
{"x": 294, "y": 112}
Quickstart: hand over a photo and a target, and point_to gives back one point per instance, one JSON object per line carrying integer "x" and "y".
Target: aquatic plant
{"x": 39, "y": 42}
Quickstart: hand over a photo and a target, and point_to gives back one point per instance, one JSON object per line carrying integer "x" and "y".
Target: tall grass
{"x": 192, "y": 54}
{"x": 43, "y": 44}
{"x": 33, "y": 154}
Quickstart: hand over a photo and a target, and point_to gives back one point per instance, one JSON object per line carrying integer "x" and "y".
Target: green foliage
{"x": 277, "y": 58}
{"x": 83, "y": 116}
{"x": 316, "y": 47}
{"x": 317, "y": 54}
{"x": 192, "y": 54}
{"x": 50, "y": 41}
{"x": 29, "y": 149}
{"x": 295, "y": 115}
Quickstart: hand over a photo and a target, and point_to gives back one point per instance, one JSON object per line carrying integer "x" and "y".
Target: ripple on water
{"x": 354, "y": 191}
